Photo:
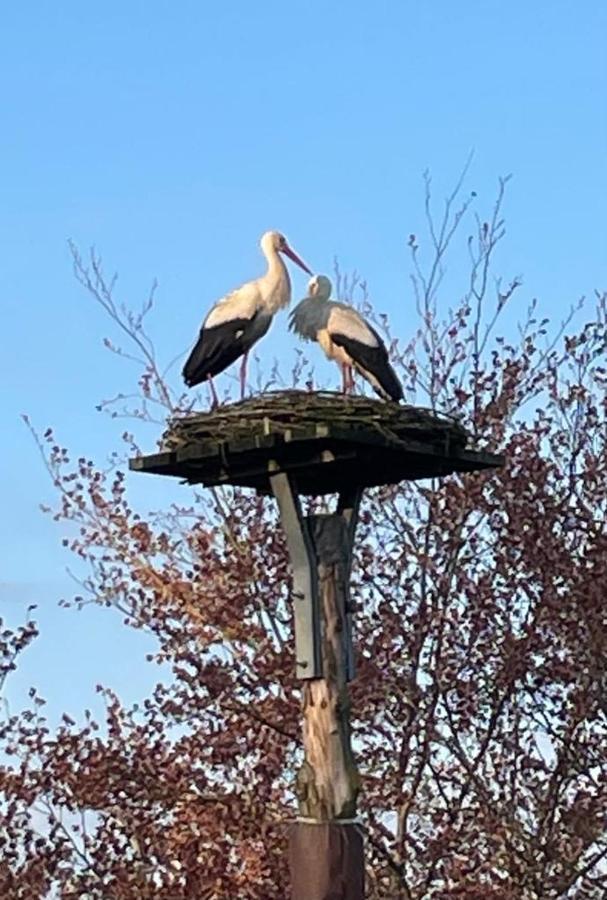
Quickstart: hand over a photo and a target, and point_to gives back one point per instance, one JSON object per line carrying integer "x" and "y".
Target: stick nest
{"x": 294, "y": 412}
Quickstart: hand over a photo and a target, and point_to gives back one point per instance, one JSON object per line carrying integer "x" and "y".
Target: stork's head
{"x": 275, "y": 242}
{"x": 320, "y": 287}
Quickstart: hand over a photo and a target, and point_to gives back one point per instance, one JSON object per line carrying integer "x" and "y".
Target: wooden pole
{"x": 326, "y": 847}
{"x": 328, "y": 784}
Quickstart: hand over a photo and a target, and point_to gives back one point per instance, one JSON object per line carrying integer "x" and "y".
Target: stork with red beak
{"x": 346, "y": 337}
{"x": 241, "y": 318}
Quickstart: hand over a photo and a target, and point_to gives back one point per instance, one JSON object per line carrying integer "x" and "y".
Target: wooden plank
{"x": 153, "y": 460}
{"x": 377, "y": 464}
{"x": 303, "y": 565}
{"x": 239, "y": 473}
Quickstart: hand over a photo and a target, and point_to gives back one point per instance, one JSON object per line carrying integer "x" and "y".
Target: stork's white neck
{"x": 274, "y": 260}
{"x": 275, "y": 284}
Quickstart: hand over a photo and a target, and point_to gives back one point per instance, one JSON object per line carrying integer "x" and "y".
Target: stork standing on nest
{"x": 346, "y": 338}
{"x": 241, "y": 318}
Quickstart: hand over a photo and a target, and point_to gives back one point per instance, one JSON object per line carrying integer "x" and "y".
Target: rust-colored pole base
{"x": 326, "y": 862}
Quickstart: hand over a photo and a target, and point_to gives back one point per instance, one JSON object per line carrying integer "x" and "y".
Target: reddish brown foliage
{"x": 479, "y": 702}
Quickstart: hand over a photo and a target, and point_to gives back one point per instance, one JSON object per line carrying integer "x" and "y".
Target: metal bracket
{"x": 308, "y": 652}
{"x": 348, "y": 506}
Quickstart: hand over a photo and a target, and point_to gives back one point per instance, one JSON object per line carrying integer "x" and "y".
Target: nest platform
{"x": 327, "y": 442}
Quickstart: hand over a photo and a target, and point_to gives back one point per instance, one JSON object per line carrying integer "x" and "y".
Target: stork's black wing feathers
{"x": 373, "y": 360}
{"x": 219, "y": 346}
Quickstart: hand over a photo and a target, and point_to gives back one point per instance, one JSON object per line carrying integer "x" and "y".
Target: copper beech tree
{"x": 479, "y": 708}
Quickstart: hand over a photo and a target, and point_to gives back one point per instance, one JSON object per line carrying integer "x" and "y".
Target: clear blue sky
{"x": 171, "y": 134}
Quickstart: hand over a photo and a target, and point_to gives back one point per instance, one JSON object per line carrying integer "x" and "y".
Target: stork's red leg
{"x": 215, "y": 400}
{"x": 344, "y": 385}
{"x": 348, "y": 380}
{"x": 243, "y": 375}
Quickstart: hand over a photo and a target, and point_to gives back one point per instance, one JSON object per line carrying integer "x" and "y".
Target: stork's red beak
{"x": 292, "y": 255}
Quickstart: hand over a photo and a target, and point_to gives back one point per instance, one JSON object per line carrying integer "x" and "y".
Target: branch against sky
{"x": 479, "y": 709}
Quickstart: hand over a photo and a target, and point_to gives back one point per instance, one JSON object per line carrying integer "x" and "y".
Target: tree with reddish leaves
{"x": 479, "y": 710}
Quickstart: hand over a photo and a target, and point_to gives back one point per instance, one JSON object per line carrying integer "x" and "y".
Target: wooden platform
{"x": 329, "y": 444}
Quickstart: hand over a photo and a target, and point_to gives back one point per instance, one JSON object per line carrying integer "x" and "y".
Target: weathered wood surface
{"x": 328, "y": 783}
{"x": 328, "y": 862}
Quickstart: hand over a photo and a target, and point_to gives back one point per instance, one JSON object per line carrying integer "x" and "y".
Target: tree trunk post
{"x": 326, "y": 846}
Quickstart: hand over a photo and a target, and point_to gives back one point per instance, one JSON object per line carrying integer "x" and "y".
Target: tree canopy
{"x": 479, "y": 711}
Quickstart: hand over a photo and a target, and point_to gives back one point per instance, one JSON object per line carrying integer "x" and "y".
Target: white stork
{"x": 346, "y": 338}
{"x": 241, "y": 318}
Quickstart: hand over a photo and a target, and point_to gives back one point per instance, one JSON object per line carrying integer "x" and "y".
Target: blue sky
{"x": 171, "y": 135}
